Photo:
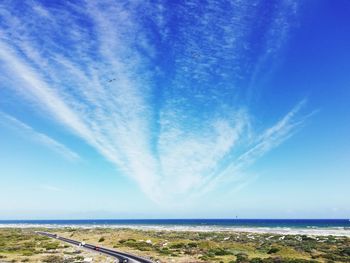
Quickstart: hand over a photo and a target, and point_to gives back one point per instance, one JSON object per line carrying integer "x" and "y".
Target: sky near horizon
{"x": 174, "y": 109}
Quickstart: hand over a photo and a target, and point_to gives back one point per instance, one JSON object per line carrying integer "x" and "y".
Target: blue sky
{"x": 174, "y": 109}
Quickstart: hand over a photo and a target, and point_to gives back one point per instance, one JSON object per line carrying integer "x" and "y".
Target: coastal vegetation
{"x": 23, "y": 245}
{"x": 227, "y": 247}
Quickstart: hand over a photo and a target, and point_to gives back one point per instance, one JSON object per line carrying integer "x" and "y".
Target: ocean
{"x": 337, "y": 227}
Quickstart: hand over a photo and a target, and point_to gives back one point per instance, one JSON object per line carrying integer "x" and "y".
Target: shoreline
{"x": 310, "y": 231}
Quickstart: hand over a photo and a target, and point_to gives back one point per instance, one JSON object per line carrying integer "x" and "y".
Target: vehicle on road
{"x": 121, "y": 256}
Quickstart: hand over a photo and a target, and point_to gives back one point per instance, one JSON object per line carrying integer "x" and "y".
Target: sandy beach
{"x": 311, "y": 231}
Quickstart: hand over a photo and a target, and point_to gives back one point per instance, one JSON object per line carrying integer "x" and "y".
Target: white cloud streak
{"x": 100, "y": 81}
{"x": 40, "y": 137}
{"x": 49, "y": 188}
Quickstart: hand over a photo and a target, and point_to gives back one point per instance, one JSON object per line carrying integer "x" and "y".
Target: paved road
{"x": 121, "y": 256}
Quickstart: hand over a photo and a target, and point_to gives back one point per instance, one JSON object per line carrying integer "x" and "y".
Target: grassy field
{"x": 23, "y": 245}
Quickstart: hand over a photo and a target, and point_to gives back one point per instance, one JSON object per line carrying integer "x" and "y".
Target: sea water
{"x": 336, "y": 227}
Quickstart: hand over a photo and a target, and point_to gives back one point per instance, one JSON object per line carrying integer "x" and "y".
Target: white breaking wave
{"x": 324, "y": 231}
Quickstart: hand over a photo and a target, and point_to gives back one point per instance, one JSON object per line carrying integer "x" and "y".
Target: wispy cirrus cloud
{"x": 162, "y": 102}
{"x": 50, "y": 188}
{"x": 39, "y": 137}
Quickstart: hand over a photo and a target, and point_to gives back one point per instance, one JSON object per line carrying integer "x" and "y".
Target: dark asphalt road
{"x": 121, "y": 256}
